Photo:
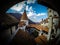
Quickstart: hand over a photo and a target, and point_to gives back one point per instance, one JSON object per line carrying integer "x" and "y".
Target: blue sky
{"x": 35, "y": 12}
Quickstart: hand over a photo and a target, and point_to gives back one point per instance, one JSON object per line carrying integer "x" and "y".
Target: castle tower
{"x": 24, "y": 18}
{"x": 53, "y": 20}
{"x": 50, "y": 22}
{"x": 23, "y": 21}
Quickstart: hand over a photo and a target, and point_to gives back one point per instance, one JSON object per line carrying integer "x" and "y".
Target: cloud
{"x": 19, "y": 7}
{"x": 33, "y": 13}
{"x": 41, "y": 14}
{"x": 34, "y": 17}
{"x": 30, "y": 11}
{"x": 21, "y": 12}
{"x": 40, "y": 20}
{"x": 30, "y": 8}
{"x": 31, "y": 1}
{"x": 27, "y": 8}
{"x": 30, "y": 14}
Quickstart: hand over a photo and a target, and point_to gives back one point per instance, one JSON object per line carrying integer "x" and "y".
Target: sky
{"x": 35, "y": 12}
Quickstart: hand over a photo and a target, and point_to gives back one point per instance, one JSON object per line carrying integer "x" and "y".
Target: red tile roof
{"x": 24, "y": 16}
{"x": 41, "y": 40}
{"x": 21, "y": 23}
{"x": 39, "y": 27}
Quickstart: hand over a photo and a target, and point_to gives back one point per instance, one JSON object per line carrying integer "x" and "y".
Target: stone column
{"x": 50, "y": 27}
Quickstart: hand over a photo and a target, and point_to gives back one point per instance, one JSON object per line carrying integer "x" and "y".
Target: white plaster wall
{"x": 45, "y": 34}
{"x": 55, "y": 13}
{"x": 50, "y": 22}
{"x": 58, "y": 32}
{"x": 22, "y": 28}
{"x": 42, "y": 24}
{"x": 50, "y": 13}
{"x": 46, "y": 24}
{"x": 26, "y": 21}
{"x": 40, "y": 32}
{"x": 56, "y": 21}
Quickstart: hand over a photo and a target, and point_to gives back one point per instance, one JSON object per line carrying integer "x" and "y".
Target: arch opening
{"x": 31, "y": 14}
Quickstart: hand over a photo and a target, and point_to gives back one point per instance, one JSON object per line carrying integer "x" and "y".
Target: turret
{"x": 24, "y": 18}
{"x": 23, "y": 21}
